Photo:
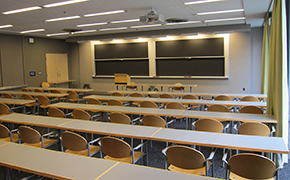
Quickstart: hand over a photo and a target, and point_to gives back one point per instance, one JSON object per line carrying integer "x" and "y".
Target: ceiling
{"x": 254, "y": 11}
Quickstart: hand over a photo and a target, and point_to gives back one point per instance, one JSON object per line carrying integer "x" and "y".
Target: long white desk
{"x": 222, "y": 116}
{"x": 219, "y": 140}
{"x": 35, "y": 93}
{"x": 60, "y": 165}
{"x": 61, "y": 89}
{"x": 20, "y": 102}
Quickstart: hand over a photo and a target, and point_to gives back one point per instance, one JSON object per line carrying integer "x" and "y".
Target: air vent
{"x": 176, "y": 20}
{"x": 72, "y": 30}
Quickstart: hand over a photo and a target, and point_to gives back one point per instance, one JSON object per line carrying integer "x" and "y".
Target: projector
{"x": 152, "y": 17}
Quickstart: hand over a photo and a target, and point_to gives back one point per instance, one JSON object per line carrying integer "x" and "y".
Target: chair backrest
{"x": 132, "y": 86}
{"x": 189, "y": 96}
{"x": 27, "y": 97}
{"x": 38, "y": 90}
{"x": 115, "y": 147}
{"x": 250, "y": 98}
{"x": 148, "y": 104}
{"x": 209, "y": 125}
{"x": 120, "y": 118}
{"x": 254, "y": 128}
{"x": 72, "y": 94}
{"x": 137, "y": 95}
{"x": 7, "y": 95}
{"x": 55, "y": 112}
{"x": 25, "y": 90}
{"x": 81, "y": 114}
{"x": 185, "y": 157}
{"x": 178, "y": 88}
{"x": 117, "y": 94}
{"x": 175, "y": 105}
{"x": 29, "y": 135}
{"x": 223, "y": 98}
{"x": 45, "y": 85}
{"x": 153, "y": 120}
{"x": 43, "y": 100}
{"x": 252, "y": 166}
{"x": 168, "y": 96}
{"x": 4, "y": 109}
{"x": 218, "y": 108}
{"x": 94, "y": 101}
{"x": 252, "y": 110}
{"x": 56, "y": 91}
{"x": 114, "y": 102}
{"x": 4, "y": 131}
{"x": 73, "y": 141}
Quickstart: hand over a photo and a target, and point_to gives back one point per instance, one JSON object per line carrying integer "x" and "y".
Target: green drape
{"x": 265, "y": 56}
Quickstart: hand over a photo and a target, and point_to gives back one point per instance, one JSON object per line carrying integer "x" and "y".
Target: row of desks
{"x": 59, "y": 165}
{"x": 156, "y": 85}
{"x": 219, "y": 140}
{"x": 222, "y": 116}
{"x": 183, "y": 101}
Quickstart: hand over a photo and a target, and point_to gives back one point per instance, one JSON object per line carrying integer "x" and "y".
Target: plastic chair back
{"x": 209, "y": 125}
{"x": 117, "y": 94}
{"x": 115, "y": 147}
{"x": 256, "y": 129}
{"x": 113, "y": 102}
{"x": 4, "y": 109}
{"x": 252, "y": 110}
{"x": 168, "y": 96}
{"x": 189, "y": 96}
{"x": 39, "y": 90}
{"x": 153, "y": 120}
{"x": 25, "y": 90}
{"x": 29, "y": 135}
{"x": 45, "y": 85}
{"x": 148, "y": 104}
{"x": 43, "y": 100}
{"x": 72, "y": 95}
{"x": 250, "y": 98}
{"x": 223, "y": 98}
{"x": 175, "y": 105}
{"x": 120, "y": 118}
{"x": 55, "y": 112}
{"x": 94, "y": 101}
{"x": 73, "y": 141}
{"x": 4, "y": 131}
{"x": 137, "y": 95}
{"x": 81, "y": 114}
{"x": 218, "y": 108}
{"x": 7, "y": 95}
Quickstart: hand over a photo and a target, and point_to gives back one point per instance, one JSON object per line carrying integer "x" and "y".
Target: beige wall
{"x": 244, "y": 72}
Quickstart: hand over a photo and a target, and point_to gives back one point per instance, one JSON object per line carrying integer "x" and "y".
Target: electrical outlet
{"x": 244, "y": 89}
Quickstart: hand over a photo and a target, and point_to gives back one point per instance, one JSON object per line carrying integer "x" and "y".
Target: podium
{"x": 122, "y": 78}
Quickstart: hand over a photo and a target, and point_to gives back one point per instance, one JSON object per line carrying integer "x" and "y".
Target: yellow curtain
{"x": 265, "y": 56}
{"x": 277, "y": 103}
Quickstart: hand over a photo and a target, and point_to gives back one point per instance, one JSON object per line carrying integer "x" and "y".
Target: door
{"x": 56, "y": 67}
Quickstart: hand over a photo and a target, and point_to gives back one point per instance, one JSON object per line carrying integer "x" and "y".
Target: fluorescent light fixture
{"x": 223, "y": 32}
{"x": 6, "y": 26}
{"x": 159, "y": 36}
{"x": 64, "y": 3}
{"x": 22, "y": 10}
{"x": 226, "y": 19}
{"x": 112, "y": 29}
{"x": 109, "y": 39}
{"x": 130, "y": 38}
{"x": 200, "y": 2}
{"x": 104, "y": 13}
{"x": 62, "y": 19}
{"x": 180, "y": 23}
{"x": 58, "y": 34}
{"x": 145, "y": 26}
{"x": 220, "y": 12}
{"x": 189, "y": 34}
{"x": 92, "y": 24}
{"x": 31, "y": 31}
{"x": 125, "y": 21}
{"x": 85, "y": 31}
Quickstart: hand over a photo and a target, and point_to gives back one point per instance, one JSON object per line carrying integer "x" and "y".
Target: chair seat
{"x": 128, "y": 159}
{"x": 46, "y": 142}
{"x": 14, "y": 138}
{"x": 73, "y": 100}
{"x": 199, "y": 171}
{"x": 234, "y": 176}
{"x": 136, "y": 103}
{"x": 93, "y": 149}
{"x": 31, "y": 104}
{"x": 44, "y": 106}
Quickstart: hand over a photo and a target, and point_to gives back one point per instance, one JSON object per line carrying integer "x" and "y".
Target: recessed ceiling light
{"x": 31, "y": 31}
{"x": 85, "y": 31}
{"x": 92, "y": 24}
{"x": 104, "y": 13}
{"x": 180, "y": 23}
{"x": 22, "y": 10}
{"x": 111, "y": 29}
{"x": 58, "y": 34}
{"x": 62, "y": 19}
{"x": 145, "y": 26}
{"x": 226, "y": 19}
{"x": 6, "y": 26}
{"x": 125, "y": 21}
{"x": 220, "y": 12}
{"x": 64, "y": 3}
{"x": 200, "y": 2}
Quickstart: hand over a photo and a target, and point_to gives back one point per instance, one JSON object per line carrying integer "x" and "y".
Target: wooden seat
{"x": 185, "y": 159}
{"x": 39, "y": 90}
{"x": 250, "y": 98}
{"x": 120, "y": 118}
{"x": 253, "y": 128}
{"x": 218, "y": 108}
{"x": 250, "y": 166}
{"x": 189, "y": 96}
{"x": 55, "y": 112}
{"x": 7, "y": 135}
{"x": 117, "y": 94}
{"x": 148, "y": 104}
{"x": 113, "y": 102}
{"x": 76, "y": 144}
{"x": 30, "y": 105}
{"x": 153, "y": 120}
{"x": 168, "y": 96}
{"x": 223, "y": 98}
{"x": 73, "y": 96}
{"x": 81, "y": 114}
{"x": 178, "y": 88}
{"x": 119, "y": 150}
{"x": 7, "y": 95}
{"x": 4, "y": 109}
{"x": 32, "y": 137}
{"x": 131, "y": 86}
{"x": 45, "y": 85}
{"x": 43, "y": 103}
{"x": 25, "y": 90}
{"x": 252, "y": 110}
{"x": 209, "y": 125}
{"x": 94, "y": 101}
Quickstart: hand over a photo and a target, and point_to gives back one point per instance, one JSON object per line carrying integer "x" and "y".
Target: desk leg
{"x": 117, "y": 87}
{"x": 24, "y": 109}
{"x": 142, "y": 88}
{"x": 190, "y": 89}
{"x": 6, "y": 173}
{"x": 161, "y": 88}
{"x": 60, "y": 147}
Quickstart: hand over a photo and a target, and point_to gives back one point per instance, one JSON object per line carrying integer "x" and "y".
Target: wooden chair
{"x": 155, "y": 121}
{"x": 119, "y": 150}
{"x": 189, "y": 96}
{"x": 30, "y": 105}
{"x": 120, "y": 118}
{"x": 148, "y": 104}
{"x": 38, "y": 90}
{"x": 250, "y": 166}
{"x": 81, "y": 114}
{"x": 7, "y": 135}
{"x": 43, "y": 103}
{"x": 136, "y": 95}
{"x": 218, "y": 108}
{"x": 168, "y": 96}
{"x": 4, "y": 109}
{"x": 73, "y": 96}
{"x": 177, "y": 105}
{"x": 55, "y": 91}
{"x": 25, "y": 90}
{"x": 7, "y": 95}
{"x": 209, "y": 125}
{"x": 178, "y": 88}
{"x": 95, "y": 102}
{"x": 132, "y": 87}
{"x": 117, "y": 94}
{"x": 224, "y": 98}
{"x": 113, "y": 102}
{"x": 32, "y": 137}
{"x": 252, "y": 110}
{"x": 55, "y": 112}
{"x": 250, "y": 98}
{"x": 254, "y": 128}
{"x": 185, "y": 159}
{"x": 45, "y": 85}
{"x": 76, "y": 144}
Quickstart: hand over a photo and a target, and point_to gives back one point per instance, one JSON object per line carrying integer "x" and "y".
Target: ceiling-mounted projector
{"x": 152, "y": 17}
